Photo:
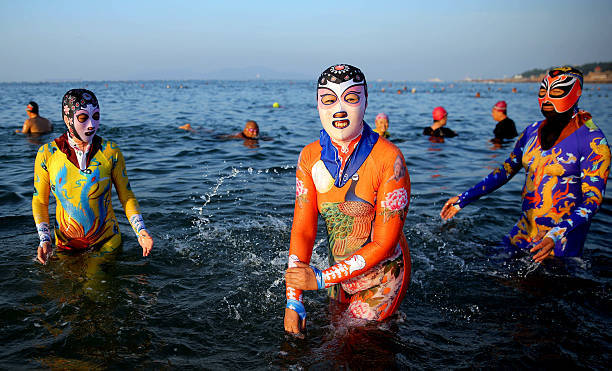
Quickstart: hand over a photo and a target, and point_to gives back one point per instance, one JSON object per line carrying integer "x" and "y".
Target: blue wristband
{"x": 298, "y": 307}
{"x": 319, "y": 275}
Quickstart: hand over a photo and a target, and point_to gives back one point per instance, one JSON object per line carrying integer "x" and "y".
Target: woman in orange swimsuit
{"x": 359, "y": 184}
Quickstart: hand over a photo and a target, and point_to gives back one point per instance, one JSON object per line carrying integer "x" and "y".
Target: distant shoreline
{"x": 594, "y": 73}
{"x": 534, "y": 80}
{"x": 587, "y": 79}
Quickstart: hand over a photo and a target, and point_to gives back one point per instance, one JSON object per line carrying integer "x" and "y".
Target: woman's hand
{"x": 450, "y": 209}
{"x": 293, "y": 325}
{"x": 301, "y": 277}
{"x": 44, "y": 252}
{"x": 146, "y": 242}
{"x": 545, "y": 246}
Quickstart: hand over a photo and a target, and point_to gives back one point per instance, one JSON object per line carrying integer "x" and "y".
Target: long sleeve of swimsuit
{"x": 594, "y": 170}
{"x": 124, "y": 190}
{"x": 40, "y": 199}
{"x": 304, "y": 228}
{"x": 393, "y": 194}
{"x": 498, "y": 177}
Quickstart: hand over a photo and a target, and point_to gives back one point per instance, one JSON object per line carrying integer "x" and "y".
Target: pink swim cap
{"x": 438, "y": 113}
{"x": 381, "y": 116}
{"x": 500, "y": 106}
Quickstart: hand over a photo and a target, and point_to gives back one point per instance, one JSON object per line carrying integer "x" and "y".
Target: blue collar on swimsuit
{"x": 329, "y": 155}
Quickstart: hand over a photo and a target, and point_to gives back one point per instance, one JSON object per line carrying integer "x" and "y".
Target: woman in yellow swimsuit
{"x": 79, "y": 168}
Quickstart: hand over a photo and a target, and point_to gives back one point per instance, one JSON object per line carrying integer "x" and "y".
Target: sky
{"x": 390, "y": 40}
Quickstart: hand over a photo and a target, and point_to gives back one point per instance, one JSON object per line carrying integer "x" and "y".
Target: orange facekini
{"x": 562, "y": 88}
{"x": 362, "y": 191}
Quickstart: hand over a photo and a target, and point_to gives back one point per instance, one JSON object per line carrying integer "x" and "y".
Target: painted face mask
{"x": 342, "y": 96}
{"x": 81, "y": 114}
{"x": 562, "y": 88}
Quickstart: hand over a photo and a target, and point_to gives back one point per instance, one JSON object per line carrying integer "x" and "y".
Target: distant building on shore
{"x": 599, "y": 76}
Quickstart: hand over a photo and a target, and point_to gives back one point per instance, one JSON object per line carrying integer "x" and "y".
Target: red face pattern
{"x": 562, "y": 90}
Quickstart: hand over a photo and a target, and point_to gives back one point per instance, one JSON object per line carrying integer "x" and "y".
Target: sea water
{"x": 211, "y": 294}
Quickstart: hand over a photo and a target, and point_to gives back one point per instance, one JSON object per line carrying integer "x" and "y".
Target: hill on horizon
{"x": 585, "y": 68}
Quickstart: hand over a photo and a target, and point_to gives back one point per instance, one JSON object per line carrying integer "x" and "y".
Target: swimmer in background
{"x": 437, "y": 129}
{"x": 250, "y": 135}
{"x": 358, "y": 182}
{"x": 505, "y": 128}
{"x": 35, "y": 124}
{"x": 187, "y": 127}
{"x": 382, "y": 125}
{"x": 250, "y": 131}
{"x": 566, "y": 158}
{"x": 79, "y": 168}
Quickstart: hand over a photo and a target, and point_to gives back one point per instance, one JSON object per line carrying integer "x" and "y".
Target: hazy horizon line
{"x": 46, "y": 81}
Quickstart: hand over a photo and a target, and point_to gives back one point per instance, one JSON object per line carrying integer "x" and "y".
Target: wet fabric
{"x": 439, "y": 132}
{"x": 564, "y": 185}
{"x": 505, "y": 129}
{"x": 84, "y": 213}
{"x": 331, "y": 158}
{"x": 369, "y": 255}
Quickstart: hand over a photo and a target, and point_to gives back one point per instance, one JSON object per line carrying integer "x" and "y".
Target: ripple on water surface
{"x": 212, "y": 293}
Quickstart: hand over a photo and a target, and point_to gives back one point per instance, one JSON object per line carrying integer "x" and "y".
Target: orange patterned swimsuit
{"x": 364, "y": 205}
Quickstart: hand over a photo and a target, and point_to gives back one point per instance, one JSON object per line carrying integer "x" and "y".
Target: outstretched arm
{"x": 490, "y": 183}
{"x": 129, "y": 202}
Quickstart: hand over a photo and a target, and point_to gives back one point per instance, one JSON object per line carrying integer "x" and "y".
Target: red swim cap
{"x": 438, "y": 113}
{"x": 500, "y": 106}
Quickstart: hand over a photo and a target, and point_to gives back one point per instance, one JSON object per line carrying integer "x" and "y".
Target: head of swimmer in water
{"x": 498, "y": 112}
{"x": 81, "y": 114}
{"x": 381, "y": 122}
{"x": 251, "y": 130}
{"x": 342, "y": 98}
{"x": 440, "y": 117}
{"x": 560, "y": 91}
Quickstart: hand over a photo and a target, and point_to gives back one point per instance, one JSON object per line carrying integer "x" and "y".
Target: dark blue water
{"x": 211, "y": 295}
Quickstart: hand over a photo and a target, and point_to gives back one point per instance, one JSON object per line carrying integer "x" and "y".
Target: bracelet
{"x": 137, "y": 224}
{"x": 44, "y": 233}
{"x": 297, "y": 306}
